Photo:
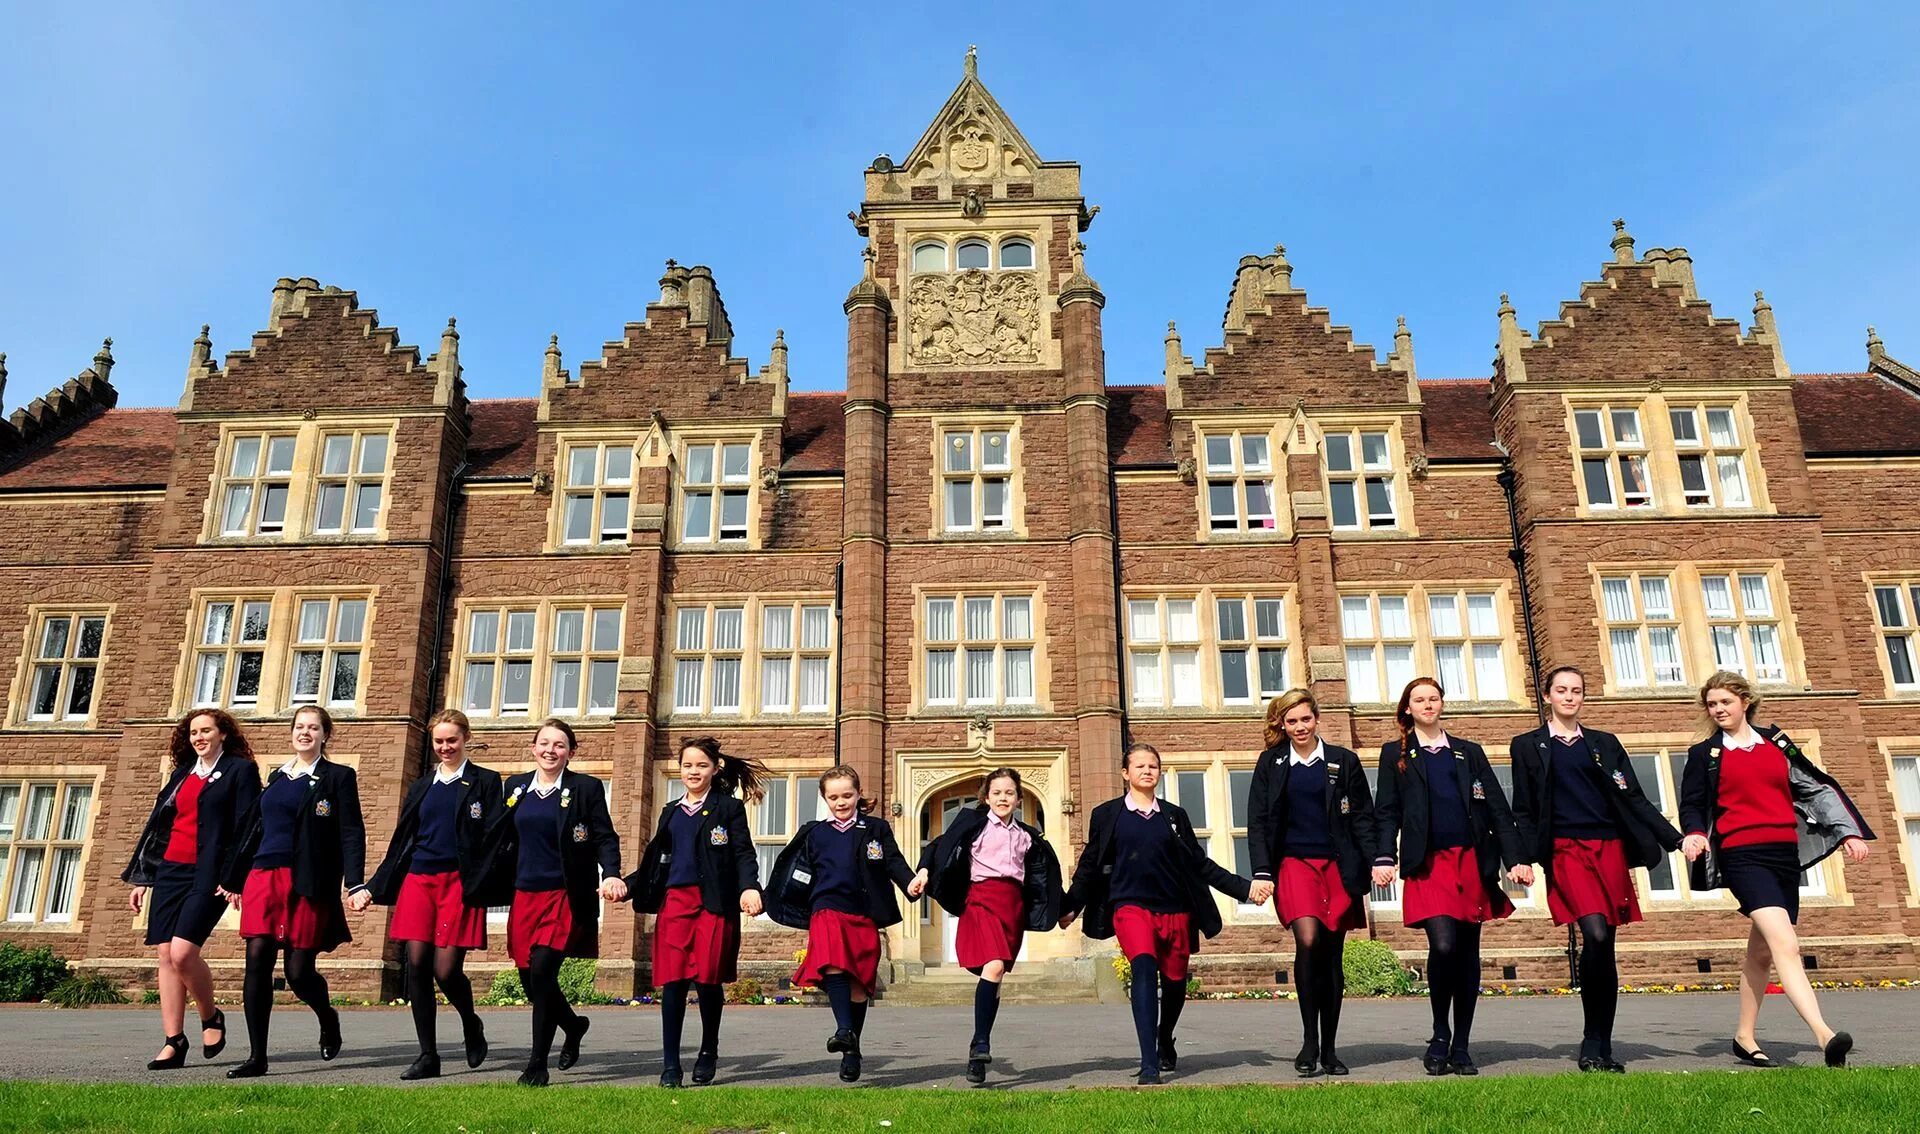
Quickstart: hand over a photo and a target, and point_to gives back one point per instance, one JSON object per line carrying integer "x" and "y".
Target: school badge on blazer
{"x": 579, "y": 832}
{"x": 1620, "y": 779}
{"x": 322, "y": 808}
{"x": 717, "y": 837}
{"x": 874, "y": 853}
{"x": 1346, "y": 806}
{"x": 1479, "y": 790}
{"x": 473, "y": 810}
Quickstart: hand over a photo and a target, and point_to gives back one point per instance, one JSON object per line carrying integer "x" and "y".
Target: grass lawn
{"x": 1793, "y": 1101}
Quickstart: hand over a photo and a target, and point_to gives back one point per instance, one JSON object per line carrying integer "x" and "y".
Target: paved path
{"x": 1034, "y": 1045}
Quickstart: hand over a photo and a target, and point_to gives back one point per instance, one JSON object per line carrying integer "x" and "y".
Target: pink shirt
{"x": 1000, "y": 851}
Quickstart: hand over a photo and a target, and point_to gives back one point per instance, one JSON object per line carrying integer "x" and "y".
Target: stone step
{"x": 1071, "y": 980}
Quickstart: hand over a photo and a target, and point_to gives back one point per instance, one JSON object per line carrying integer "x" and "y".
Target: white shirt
{"x": 1318, "y": 754}
{"x": 1727, "y": 739}
{"x": 442, "y": 776}
{"x": 548, "y": 789}
{"x": 294, "y": 769}
{"x": 690, "y": 804}
{"x": 204, "y": 768}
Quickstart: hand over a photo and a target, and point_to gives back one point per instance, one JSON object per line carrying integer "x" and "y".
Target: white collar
{"x": 533, "y": 785}
{"x": 294, "y": 770}
{"x": 1445, "y": 742}
{"x": 1319, "y": 753}
{"x": 1727, "y": 741}
{"x": 691, "y": 805}
{"x": 1554, "y": 732}
{"x": 846, "y": 824}
{"x": 442, "y": 776}
{"x": 203, "y": 768}
{"x": 1152, "y": 809}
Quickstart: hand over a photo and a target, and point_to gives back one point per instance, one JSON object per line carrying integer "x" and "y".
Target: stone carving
{"x": 973, "y": 318}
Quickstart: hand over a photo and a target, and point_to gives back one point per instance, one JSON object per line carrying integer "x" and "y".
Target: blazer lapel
{"x": 1462, "y": 775}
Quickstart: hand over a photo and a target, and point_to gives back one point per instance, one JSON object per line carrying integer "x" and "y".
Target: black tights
{"x": 673, "y": 1017}
{"x": 541, "y": 980}
{"x": 1599, "y": 984}
{"x": 257, "y": 992}
{"x": 1158, "y": 1001}
{"x": 1321, "y": 982}
{"x": 1453, "y": 977}
{"x": 426, "y": 964}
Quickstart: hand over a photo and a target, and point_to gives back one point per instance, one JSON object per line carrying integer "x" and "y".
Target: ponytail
{"x": 733, "y": 775}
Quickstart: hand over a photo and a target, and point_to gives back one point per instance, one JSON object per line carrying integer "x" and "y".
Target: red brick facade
{"x": 1124, "y": 579}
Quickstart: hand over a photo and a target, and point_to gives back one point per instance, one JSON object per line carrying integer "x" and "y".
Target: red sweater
{"x": 183, "y": 843}
{"x": 1756, "y": 803}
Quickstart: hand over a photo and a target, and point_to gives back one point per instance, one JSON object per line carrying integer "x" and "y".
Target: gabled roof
{"x": 1856, "y": 415}
{"x": 971, "y": 115}
{"x": 816, "y": 440}
{"x": 1138, "y": 433}
{"x": 119, "y": 448}
{"x": 505, "y": 435}
{"x": 1457, "y": 416}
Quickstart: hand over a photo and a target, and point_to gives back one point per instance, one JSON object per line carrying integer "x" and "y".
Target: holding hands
{"x": 359, "y": 900}
{"x": 232, "y": 898}
{"x": 1693, "y": 846}
{"x": 1383, "y": 875}
{"x": 918, "y": 886}
{"x": 1261, "y": 893}
{"x": 613, "y": 890}
{"x": 750, "y": 903}
{"x": 1521, "y": 875}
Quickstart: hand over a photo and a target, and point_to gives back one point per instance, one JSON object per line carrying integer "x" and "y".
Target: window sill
{"x": 1260, "y": 535}
{"x": 288, "y": 539}
{"x": 997, "y": 535}
{"x": 733, "y": 720}
{"x": 62, "y": 928}
{"x": 1363, "y": 535}
{"x": 44, "y": 728}
{"x": 1198, "y": 712}
{"x": 968, "y": 712}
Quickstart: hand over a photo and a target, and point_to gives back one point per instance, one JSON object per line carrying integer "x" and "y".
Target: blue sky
{"x": 530, "y": 169}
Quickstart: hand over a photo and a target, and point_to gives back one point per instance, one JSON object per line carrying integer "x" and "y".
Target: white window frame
{"x": 597, "y": 479}
{"x": 1896, "y": 617}
{"x": 1613, "y": 453}
{"x": 1644, "y": 625}
{"x": 787, "y": 658}
{"x": 61, "y": 670}
{"x": 1360, "y": 474}
{"x": 254, "y": 484}
{"x": 1240, "y": 476}
{"x": 965, "y": 473}
{"x": 1717, "y": 449}
{"x": 352, "y": 481}
{"x": 526, "y": 633}
{"x": 720, "y": 485}
{"x": 228, "y": 640}
{"x": 956, "y": 636}
{"x": 62, "y": 839}
{"x": 338, "y": 647}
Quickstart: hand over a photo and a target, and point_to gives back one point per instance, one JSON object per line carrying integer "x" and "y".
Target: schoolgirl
{"x": 434, "y": 877}
{"x": 1000, "y": 877}
{"x": 1757, "y": 812}
{"x": 557, "y": 841}
{"x": 835, "y": 880}
{"x": 699, "y": 874}
{"x": 1143, "y": 878}
{"x": 301, "y": 840}
{"x": 1310, "y": 834}
{"x": 1440, "y": 802}
{"x": 176, "y": 870}
{"x": 1583, "y": 815}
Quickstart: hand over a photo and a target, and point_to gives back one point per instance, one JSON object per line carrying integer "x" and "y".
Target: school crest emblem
{"x": 1479, "y": 790}
{"x": 579, "y": 832}
{"x": 322, "y": 808}
{"x": 1620, "y": 779}
{"x": 717, "y": 837}
{"x": 874, "y": 853}
{"x": 1346, "y": 805}
{"x": 473, "y": 810}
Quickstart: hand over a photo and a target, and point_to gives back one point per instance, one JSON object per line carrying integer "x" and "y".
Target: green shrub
{"x": 576, "y": 981}
{"x": 746, "y": 990}
{"x": 83, "y": 990}
{"x": 150, "y": 996}
{"x": 506, "y": 989}
{"x": 1372, "y": 970}
{"x": 29, "y": 974}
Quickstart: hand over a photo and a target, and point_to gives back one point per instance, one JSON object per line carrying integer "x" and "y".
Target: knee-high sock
{"x": 840, "y": 996}
{"x": 1599, "y": 981}
{"x": 1173, "y": 999}
{"x": 986, "y": 1006}
{"x": 450, "y": 970}
{"x": 1466, "y": 984}
{"x": 857, "y": 1012}
{"x": 541, "y": 979}
{"x": 1146, "y": 1009}
{"x": 713, "y": 998}
{"x": 1443, "y": 945}
{"x": 418, "y": 974}
{"x": 257, "y": 993}
{"x": 1333, "y": 989}
{"x": 673, "y": 1020}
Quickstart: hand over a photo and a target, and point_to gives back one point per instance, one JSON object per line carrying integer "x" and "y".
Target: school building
{"x": 985, "y": 550}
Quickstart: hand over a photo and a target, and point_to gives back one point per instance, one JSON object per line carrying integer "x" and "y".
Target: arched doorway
{"x": 937, "y": 811}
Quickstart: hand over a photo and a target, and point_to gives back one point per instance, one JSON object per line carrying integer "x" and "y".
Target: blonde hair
{"x": 1279, "y": 707}
{"x": 1734, "y": 684}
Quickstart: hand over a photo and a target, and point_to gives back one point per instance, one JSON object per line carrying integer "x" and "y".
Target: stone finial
{"x": 1622, "y": 242}
{"x": 1279, "y": 271}
{"x": 202, "y": 352}
{"x": 1513, "y": 341}
{"x": 672, "y": 285}
{"x": 1077, "y": 252}
{"x": 550, "y": 372}
{"x": 1766, "y": 331}
{"x": 867, "y": 292}
{"x": 3, "y": 380}
{"x": 103, "y": 362}
{"x": 869, "y": 261}
{"x": 282, "y": 300}
{"x": 1876, "y": 350}
{"x": 971, "y": 66}
{"x": 1402, "y": 344}
{"x": 777, "y": 355}
{"x": 1174, "y": 354}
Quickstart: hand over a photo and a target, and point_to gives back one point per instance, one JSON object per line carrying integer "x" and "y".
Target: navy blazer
{"x": 789, "y": 893}
{"x": 1645, "y": 833}
{"x": 948, "y": 861}
{"x": 1092, "y": 888}
{"x": 723, "y": 848}
{"x": 589, "y": 846}
{"x": 230, "y": 792}
{"x": 329, "y": 844}
{"x": 1350, "y": 816}
{"x": 482, "y": 798}
{"x": 1823, "y": 815}
{"x": 1402, "y": 809}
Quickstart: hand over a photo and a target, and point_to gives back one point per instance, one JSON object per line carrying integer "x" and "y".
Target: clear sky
{"x": 529, "y": 168}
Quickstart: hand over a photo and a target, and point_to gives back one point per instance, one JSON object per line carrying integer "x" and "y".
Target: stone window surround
{"x": 1042, "y": 699}
{"x": 977, "y": 424}
{"x": 1690, "y": 615}
{"x": 750, "y": 654}
{"x": 539, "y": 657}
{"x": 1208, "y": 644}
{"x": 1661, "y": 454}
{"x": 20, "y": 697}
{"x": 1907, "y": 588}
{"x": 65, "y": 777}
{"x": 1352, "y": 424}
{"x": 1421, "y": 638}
{"x": 303, "y": 480}
{"x": 1277, "y": 432}
{"x": 599, "y": 491}
{"x": 646, "y": 454}
{"x": 273, "y": 699}
{"x": 1905, "y": 806}
{"x": 949, "y": 242}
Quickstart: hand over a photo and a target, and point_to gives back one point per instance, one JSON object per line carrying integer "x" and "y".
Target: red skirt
{"x": 1166, "y": 937}
{"x": 433, "y": 908}
{"x": 1449, "y": 885}
{"x": 544, "y": 917}
{"x": 1311, "y": 887}
{"x": 691, "y": 942}
{"x": 270, "y": 908}
{"x": 843, "y": 941}
{"x": 1590, "y": 876}
{"x": 992, "y": 925}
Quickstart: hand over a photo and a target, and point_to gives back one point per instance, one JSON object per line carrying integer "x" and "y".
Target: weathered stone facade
{"x": 979, "y": 553}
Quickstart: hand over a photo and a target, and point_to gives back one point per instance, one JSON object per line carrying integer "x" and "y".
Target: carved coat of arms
{"x": 973, "y": 318}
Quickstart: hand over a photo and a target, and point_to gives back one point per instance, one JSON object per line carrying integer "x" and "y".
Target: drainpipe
{"x": 440, "y": 609}
{"x": 839, "y": 638}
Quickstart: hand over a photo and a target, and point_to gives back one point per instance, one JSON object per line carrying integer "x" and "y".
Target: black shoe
{"x": 426, "y": 1066}
{"x": 1592, "y": 1063}
{"x": 1330, "y": 1063}
{"x": 1169, "y": 1059}
{"x": 842, "y": 1040}
{"x": 850, "y": 1067}
{"x": 534, "y": 1076}
{"x": 977, "y": 1067}
{"x": 330, "y": 1035}
{"x": 1434, "y": 1062}
{"x": 670, "y": 1078}
{"x": 1461, "y": 1063}
{"x": 476, "y": 1037}
{"x": 704, "y": 1065}
{"x": 1615, "y": 1066}
{"x": 1307, "y": 1063}
{"x": 176, "y": 1057}
{"x": 570, "y": 1049}
{"x": 1756, "y": 1057}
{"x": 252, "y": 1068}
{"x": 1148, "y": 1078}
{"x": 218, "y": 1023}
{"x": 1837, "y": 1048}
